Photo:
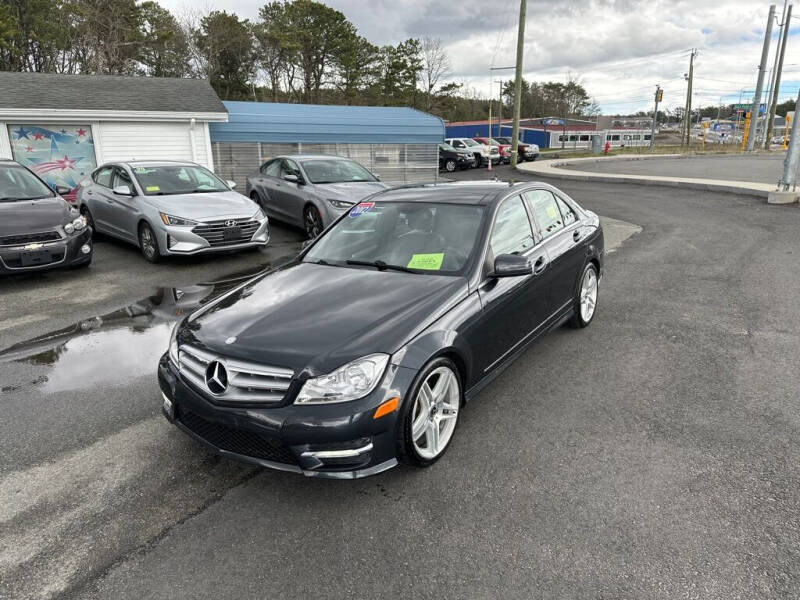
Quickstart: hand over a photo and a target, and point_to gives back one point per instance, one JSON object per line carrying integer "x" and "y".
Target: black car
{"x": 451, "y": 159}
{"x": 38, "y": 229}
{"x": 362, "y": 351}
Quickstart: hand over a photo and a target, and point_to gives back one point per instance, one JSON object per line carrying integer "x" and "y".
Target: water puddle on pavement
{"x": 114, "y": 347}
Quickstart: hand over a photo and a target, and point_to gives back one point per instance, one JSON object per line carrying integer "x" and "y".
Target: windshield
{"x": 447, "y": 147}
{"x": 504, "y": 140}
{"x": 471, "y": 143}
{"x": 17, "y": 183}
{"x": 336, "y": 171}
{"x": 177, "y": 179}
{"x": 424, "y": 237}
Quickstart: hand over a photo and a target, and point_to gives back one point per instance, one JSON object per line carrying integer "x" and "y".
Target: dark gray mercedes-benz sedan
{"x": 362, "y": 351}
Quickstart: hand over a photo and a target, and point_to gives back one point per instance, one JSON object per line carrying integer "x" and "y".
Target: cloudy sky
{"x": 619, "y": 49}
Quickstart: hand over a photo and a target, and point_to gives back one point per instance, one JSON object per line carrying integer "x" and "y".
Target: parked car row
{"x": 484, "y": 149}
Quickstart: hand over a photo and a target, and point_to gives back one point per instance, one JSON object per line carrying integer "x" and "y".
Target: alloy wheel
{"x": 588, "y": 295}
{"x": 313, "y": 222}
{"x": 450, "y": 165}
{"x": 435, "y": 411}
{"x": 148, "y": 242}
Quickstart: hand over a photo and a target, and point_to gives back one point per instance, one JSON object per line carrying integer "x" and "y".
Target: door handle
{"x": 540, "y": 265}
{"x": 576, "y": 235}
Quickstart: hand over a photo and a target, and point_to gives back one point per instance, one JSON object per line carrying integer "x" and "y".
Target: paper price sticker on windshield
{"x": 152, "y": 188}
{"x": 360, "y": 208}
{"x": 427, "y": 262}
{"x": 552, "y": 212}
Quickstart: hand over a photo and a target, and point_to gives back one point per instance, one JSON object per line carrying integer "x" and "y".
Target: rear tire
{"x": 478, "y": 160}
{"x": 429, "y": 416}
{"x": 148, "y": 243}
{"x": 585, "y": 298}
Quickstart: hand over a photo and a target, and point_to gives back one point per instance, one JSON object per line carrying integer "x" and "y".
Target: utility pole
{"x": 659, "y": 94}
{"x": 774, "y": 70}
{"x": 688, "y": 116}
{"x": 518, "y": 83}
{"x": 789, "y": 177}
{"x": 751, "y": 137}
{"x": 787, "y": 21}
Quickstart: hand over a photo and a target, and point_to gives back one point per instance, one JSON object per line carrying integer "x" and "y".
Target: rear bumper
{"x": 63, "y": 253}
{"x": 340, "y": 441}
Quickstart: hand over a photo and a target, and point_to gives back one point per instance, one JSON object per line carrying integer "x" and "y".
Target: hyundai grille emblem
{"x": 230, "y": 223}
{"x": 216, "y": 377}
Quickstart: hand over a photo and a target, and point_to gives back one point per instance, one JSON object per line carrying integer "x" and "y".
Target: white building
{"x": 62, "y": 126}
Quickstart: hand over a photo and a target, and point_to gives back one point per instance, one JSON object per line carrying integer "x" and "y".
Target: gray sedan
{"x": 169, "y": 208}
{"x": 310, "y": 191}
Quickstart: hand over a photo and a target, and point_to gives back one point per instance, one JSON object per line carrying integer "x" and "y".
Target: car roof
{"x": 303, "y": 157}
{"x": 153, "y": 163}
{"x": 457, "y": 192}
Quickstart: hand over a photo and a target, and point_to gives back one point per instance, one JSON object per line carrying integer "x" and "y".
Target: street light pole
{"x": 787, "y": 20}
{"x": 751, "y": 134}
{"x": 518, "y": 83}
{"x": 655, "y": 117}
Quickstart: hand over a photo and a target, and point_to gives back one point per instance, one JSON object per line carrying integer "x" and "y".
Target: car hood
{"x": 316, "y": 318}
{"x": 29, "y": 216}
{"x": 208, "y": 205}
{"x": 353, "y": 191}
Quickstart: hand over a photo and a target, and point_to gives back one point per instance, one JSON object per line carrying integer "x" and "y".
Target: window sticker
{"x": 140, "y": 170}
{"x": 360, "y": 208}
{"x": 551, "y": 211}
{"x": 152, "y": 188}
{"x": 428, "y": 262}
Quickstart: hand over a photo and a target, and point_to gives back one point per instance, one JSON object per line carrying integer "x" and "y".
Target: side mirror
{"x": 511, "y": 265}
{"x": 123, "y": 190}
{"x": 306, "y": 244}
{"x": 63, "y": 190}
{"x": 231, "y": 184}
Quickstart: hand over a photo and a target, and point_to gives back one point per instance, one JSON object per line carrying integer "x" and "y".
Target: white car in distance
{"x": 482, "y": 152}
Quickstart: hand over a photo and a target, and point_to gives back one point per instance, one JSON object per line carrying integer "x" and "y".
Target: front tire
{"x": 148, "y": 243}
{"x": 450, "y": 165}
{"x": 585, "y": 298}
{"x": 429, "y": 416}
{"x": 312, "y": 221}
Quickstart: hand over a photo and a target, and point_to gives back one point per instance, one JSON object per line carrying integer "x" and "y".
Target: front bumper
{"x": 341, "y": 441}
{"x": 177, "y": 240}
{"x": 64, "y": 253}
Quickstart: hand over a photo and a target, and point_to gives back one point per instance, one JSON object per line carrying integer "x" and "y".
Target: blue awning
{"x": 326, "y": 124}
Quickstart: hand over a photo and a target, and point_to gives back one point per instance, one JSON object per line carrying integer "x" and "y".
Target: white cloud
{"x": 619, "y": 48}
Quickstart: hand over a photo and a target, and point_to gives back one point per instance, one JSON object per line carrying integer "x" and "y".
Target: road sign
{"x": 762, "y": 108}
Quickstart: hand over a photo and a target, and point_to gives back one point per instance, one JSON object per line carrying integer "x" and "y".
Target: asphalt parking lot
{"x": 652, "y": 455}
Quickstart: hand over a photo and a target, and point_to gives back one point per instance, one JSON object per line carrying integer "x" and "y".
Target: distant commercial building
{"x": 552, "y": 132}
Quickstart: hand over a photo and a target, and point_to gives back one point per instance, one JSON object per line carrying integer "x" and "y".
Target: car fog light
{"x": 86, "y": 248}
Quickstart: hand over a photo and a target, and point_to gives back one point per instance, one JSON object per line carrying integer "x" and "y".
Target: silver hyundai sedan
{"x": 170, "y": 208}
{"x": 310, "y": 190}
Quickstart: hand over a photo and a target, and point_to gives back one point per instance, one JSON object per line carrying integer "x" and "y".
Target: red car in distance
{"x": 505, "y": 149}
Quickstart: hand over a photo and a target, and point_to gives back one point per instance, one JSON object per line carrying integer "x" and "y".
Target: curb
{"x": 550, "y": 168}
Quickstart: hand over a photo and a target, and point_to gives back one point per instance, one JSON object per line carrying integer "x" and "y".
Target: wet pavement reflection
{"x": 117, "y": 346}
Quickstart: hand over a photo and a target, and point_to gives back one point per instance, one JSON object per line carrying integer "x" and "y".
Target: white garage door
{"x": 152, "y": 141}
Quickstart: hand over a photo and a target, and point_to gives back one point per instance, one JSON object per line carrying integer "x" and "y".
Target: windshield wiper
{"x": 380, "y": 265}
{"x": 323, "y": 262}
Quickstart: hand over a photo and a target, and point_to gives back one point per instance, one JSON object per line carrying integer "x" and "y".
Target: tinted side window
{"x": 512, "y": 233}
{"x": 569, "y": 215}
{"x": 272, "y": 168}
{"x": 103, "y": 176}
{"x": 121, "y": 177}
{"x": 290, "y": 167}
{"x": 545, "y": 210}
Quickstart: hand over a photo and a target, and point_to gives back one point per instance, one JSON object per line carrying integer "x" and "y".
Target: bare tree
{"x": 436, "y": 67}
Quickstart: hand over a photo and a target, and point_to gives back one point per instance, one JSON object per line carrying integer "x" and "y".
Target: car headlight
{"x": 170, "y": 220}
{"x": 79, "y": 223}
{"x": 349, "y": 382}
{"x": 173, "y": 346}
{"x": 340, "y": 203}
{"x": 69, "y": 228}
{"x": 259, "y": 216}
